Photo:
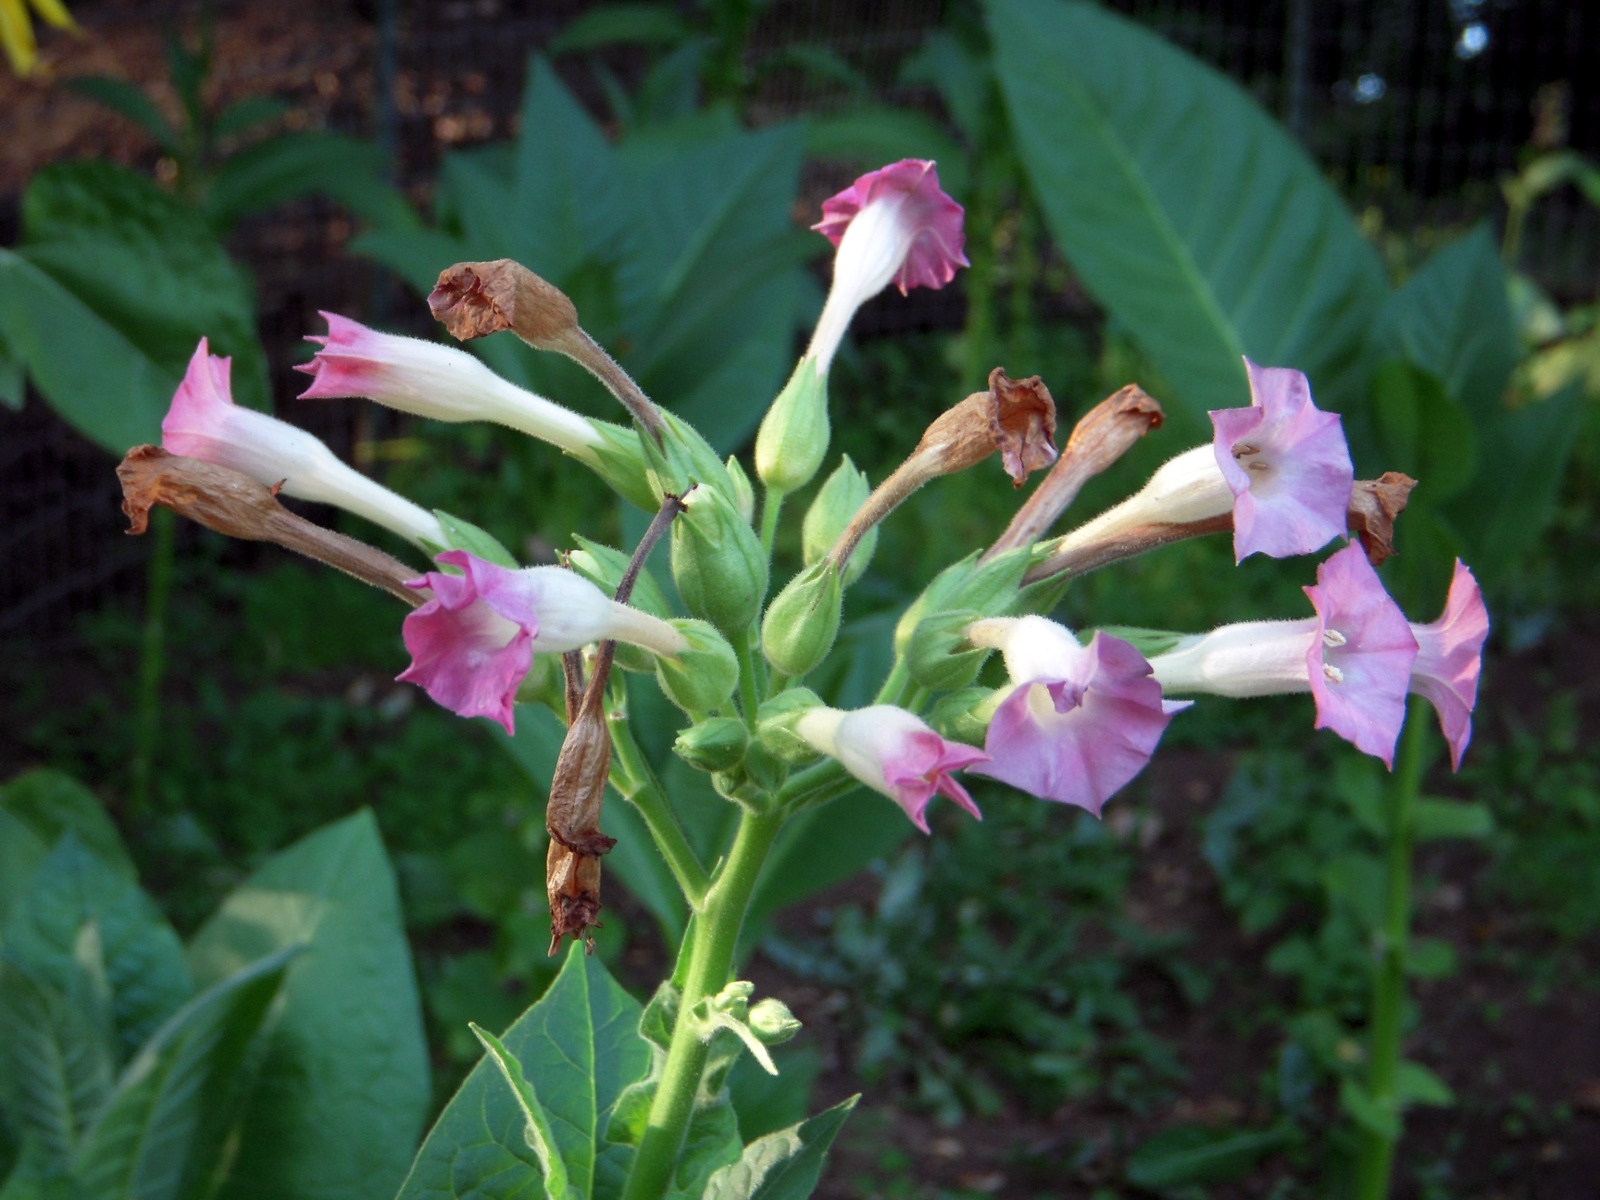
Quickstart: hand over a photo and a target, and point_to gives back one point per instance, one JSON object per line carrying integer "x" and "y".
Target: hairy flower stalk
{"x": 893, "y": 752}
{"x": 205, "y": 423}
{"x": 1015, "y": 417}
{"x": 1355, "y": 657}
{"x": 1279, "y": 472}
{"x": 439, "y": 382}
{"x": 1078, "y": 722}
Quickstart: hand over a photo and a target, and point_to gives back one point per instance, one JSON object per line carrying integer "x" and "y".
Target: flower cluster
{"x": 1074, "y": 720}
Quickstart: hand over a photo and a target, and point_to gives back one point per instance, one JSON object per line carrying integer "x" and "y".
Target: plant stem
{"x": 152, "y": 662}
{"x": 749, "y": 681}
{"x": 710, "y": 966}
{"x": 771, "y": 506}
{"x": 1375, "y": 1151}
{"x": 637, "y": 784}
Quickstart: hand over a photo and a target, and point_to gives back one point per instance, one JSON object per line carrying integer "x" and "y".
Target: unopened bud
{"x": 775, "y": 725}
{"x": 717, "y": 561}
{"x": 802, "y": 622}
{"x": 717, "y": 744}
{"x": 964, "y": 716}
{"x": 474, "y": 299}
{"x": 939, "y": 656}
{"x": 838, "y": 499}
{"x": 702, "y": 677}
{"x": 793, "y": 438}
{"x": 772, "y": 1022}
{"x": 744, "y": 495}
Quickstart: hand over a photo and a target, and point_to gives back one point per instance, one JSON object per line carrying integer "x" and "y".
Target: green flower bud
{"x": 717, "y": 561}
{"x": 714, "y": 745}
{"x": 938, "y": 654}
{"x": 744, "y": 495}
{"x": 619, "y": 459}
{"x": 772, "y": 1022}
{"x": 793, "y": 438}
{"x": 775, "y": 725}
{"x": 836, "y": 501}
{"x": 988, "y": 589}
{"x": 703, "y": 676}
{"x": 801, "y": 623}
{"x": 964, "y": 716}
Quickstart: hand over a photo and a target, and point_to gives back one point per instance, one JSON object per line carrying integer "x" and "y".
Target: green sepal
{"x": 803, "y": 621}
{"x": 464, "y": 535}
{"x": 838, "y": 499}
{"x": 700, "y": 679}
{"x": 775, "y": 726}
{"x": 717, "y": 561}
{"x": 940, "y": 657}
{"x": 989, "y": 589}
{"x": 793, "y": 438}
{"x": 717, "y": 744}
{"x": 1148, "y": 642}
{"x": 620, "y": 460}
{"x": 964, "y": 716}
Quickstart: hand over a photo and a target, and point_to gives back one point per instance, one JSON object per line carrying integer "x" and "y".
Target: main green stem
{"x": 1375, "y": 1151}
{"x": 710, "y": 967}
{"x": 640, "y": 788}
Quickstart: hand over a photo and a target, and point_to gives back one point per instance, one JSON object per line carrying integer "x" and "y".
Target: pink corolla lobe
{"x": 1359, "y": 664}
{"x": 915, "y": 210}
{"x": 1287, "y": 464}
{"x": 894, "y": 752}
{"x": 1079, "y": 721}
{"x": 1449, "y": 659}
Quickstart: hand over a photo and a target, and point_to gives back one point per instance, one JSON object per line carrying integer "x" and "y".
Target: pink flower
{"x": 893, "y": 752}
{"x": 891, "y": 225}
{"x": 473, "y": 642}
{"x": 1079, "y": 721}
{"x": 1449, "y": 657}
{"x": 431, "y": 380}
{"x": 205, "y": 423}
{"x": 1355, "y": 657}
{"x": 1287, "y": 465}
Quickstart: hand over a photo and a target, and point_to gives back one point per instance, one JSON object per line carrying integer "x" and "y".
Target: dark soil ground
{"x": 1516, "y": 1047}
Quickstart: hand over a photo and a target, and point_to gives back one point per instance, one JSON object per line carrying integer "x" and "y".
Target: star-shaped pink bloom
{"x": 1449, "y": 658}
{"x": 910, "y": 212}
{"x": 1359, "y": 664}
{"x": 892, "y": 751}
{"x": 473, "y": 642}
{"x": 1288, "y": 466}
{"x": 1079, "y": 721}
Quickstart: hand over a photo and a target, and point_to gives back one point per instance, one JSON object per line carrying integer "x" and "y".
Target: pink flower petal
{"x": 1286, "y": 463}
{"x": 1359, "y": 664}
{"x": 353, "y": 361}
{"x": 1449, "y": 658}
{"x": 198, "y": 418}
{"x": 894, "y": 752}
{"x": 1078, "y": 739}
{"x": 932, "y": 219}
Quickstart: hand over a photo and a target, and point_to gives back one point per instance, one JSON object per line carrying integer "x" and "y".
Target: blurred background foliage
{"x": 1400, "y": 200}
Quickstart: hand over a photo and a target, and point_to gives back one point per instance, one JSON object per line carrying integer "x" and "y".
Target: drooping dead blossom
{"x": 475, "y": 299}
{"x": 1015, "y": 417}
{"x": 1102, "y": 436}
{"x": 1374, "y": 505}
{"x": 231, "y": 502}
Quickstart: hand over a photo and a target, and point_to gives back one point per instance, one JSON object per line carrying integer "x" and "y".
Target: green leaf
{"x": 302, "y": 163}
{"x": 1190, "y": 1154}
{"x": 13, "y": 378}
{"x": 963, "y": 78}
{"x": 1359, "y": 783}
{"x": 1430, "y": 958}
{"x": 580, "y": 1042}
{"x": 1416, "y": 1084}
{"x": 540, "y": 1137}
{"x": 350, "y": 1020}
{"x": 1381, "y": 1117}
{"x": 464, "y": 535}
{"x": 1436, "y": 820}
{"x": 619, "y": 25}
{"x": 1189, "y": 213}
{"x": 783, "y": 1165}
{"x": 1422, "y": 431}
{"x": 143, "y": 959}
{"x": 127, "y": 100}
{"x": 875, "y": 134}
{"x": 766, "y": 1103}
{"x": 104, "y": 386}
{"x": 22, "y": 852}
{"x": 1358, "y": 881}
{"x": 246, "y": 114}
{"x": 1453, "y": 319}
{"x": 51, "y": 803}
{"x": 162, "y": 1132}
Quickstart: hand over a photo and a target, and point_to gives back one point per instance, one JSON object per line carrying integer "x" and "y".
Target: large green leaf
{"x": 289, "y": 165}
{"x": 163, "y": 1129}
{"x": 147, "y": 264}
{"x": 783, "y": 1165}
{"x": 109, "y": 389}
{"x": 142, "y": 957}
{"x": 1189, "y": 213}
{"x": 51, "y": 803}
{"x": 579, "y": 1047}
{"x": 343, "y": 1088}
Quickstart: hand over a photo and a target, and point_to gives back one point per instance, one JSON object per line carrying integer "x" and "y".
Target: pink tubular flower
{"x": 431, "y": 380}
{"x": 1286, "y": 463}
{"x": 1355, "y": 657}
{"x": 1449, "y": 657}
{"x": 473, "y": 642}
{"x": 205, "y": 423}
{"x": 891, "y": 225}
{"x": 893, "y": 752}
{"x": 1079, "y": 721}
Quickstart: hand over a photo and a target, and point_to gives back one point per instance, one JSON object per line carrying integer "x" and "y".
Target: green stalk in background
{"x": 152, "y": 661}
